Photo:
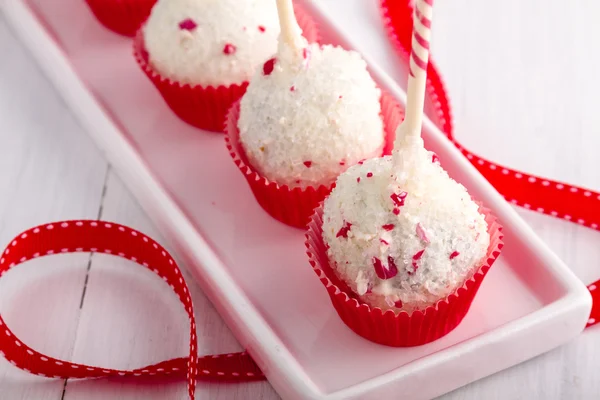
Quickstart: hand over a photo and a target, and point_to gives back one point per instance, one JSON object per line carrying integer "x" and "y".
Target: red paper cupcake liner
{"x": 206, "y": 107}
{"x": 121, "y": 16}
{"x": 294, "y": 206}
{"x": 387, "y": 327}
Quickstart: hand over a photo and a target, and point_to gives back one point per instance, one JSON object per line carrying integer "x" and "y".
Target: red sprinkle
{"x": 369, "y": 174}
{"x": 269, "y": 66}
{"x": 418, "y": 255}
{"x": 342, "y": 162}
{"x": 358, "y": 179}
{"x": 384, "y": 241}
{"x": 399, "y": 198}
{"x": 435, "y": 159}
{"x": 340, "y": 97}
{"x": 343, "y": 232}
{"x": 396, "y": 211}
{"x": 308, "y": 163}
{"x": 388, "y": 227}
{"x": 454, "y": 254}
{"x": 293, "y": 88}
{"x": 383, "y": 272}
{"x": 261, "y": 28}
{"x": 398, "y": 304}
{"x": 361, "y": 162}
{"x": 187, "y": 25}
{"x": 229, "y": 49}
{"x": 415, "y": 266}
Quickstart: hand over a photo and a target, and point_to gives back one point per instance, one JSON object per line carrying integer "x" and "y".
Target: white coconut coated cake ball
{"x": 404, "y": 237}
{"x": 305, "y": 118}
{"x": 211, "y": 42}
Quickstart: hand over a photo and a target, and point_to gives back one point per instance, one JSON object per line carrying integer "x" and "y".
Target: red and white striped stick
{"x": 417, "y": 79}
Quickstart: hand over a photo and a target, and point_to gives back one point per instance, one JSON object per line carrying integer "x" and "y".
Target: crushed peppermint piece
{"x": 307, "y": 164}
{"x": 421, "y": 234}
{"x": 416, "y": 258}
{"x": 392, "y": 264}
{"x": 268, "y": 66}
{"x": 435, "y": 159}
{"x": 388, "y": 227}
{"x": 187, "y": 24}
{"x": 384, "y": 272}
{"x": 418, "y": 255}
{"x": 389, "y": 301}
{"x": 361, "y": 284}
{"x": 454, "y": 254}
{"x": 415, "y": 266}
{"x": 361, "y": 288}
{"x": 399, "y": 198}
{"x": 229, "y": 49}
{"x": 343, "y": 232}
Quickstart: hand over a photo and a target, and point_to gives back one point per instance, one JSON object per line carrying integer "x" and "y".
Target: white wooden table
{"x": 524, "y": 89}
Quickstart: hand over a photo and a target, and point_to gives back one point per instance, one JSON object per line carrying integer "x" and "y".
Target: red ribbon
{"x": 557, "y": 199}
{"x": 121, "y": 241}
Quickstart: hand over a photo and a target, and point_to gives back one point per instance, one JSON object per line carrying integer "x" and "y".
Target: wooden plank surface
{"x": 50, "y": 171}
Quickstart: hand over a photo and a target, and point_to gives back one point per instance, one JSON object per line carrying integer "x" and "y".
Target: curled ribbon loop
{"x": 557, "y": 199}
{"x": 118, "y": 240}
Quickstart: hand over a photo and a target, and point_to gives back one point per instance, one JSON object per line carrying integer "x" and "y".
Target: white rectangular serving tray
{"x": 253, "y": 268}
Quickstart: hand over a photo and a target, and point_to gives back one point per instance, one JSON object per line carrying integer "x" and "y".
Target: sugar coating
{"x": 306, "y": 117}
{"x": 436, "y": 238}
{"x": 211, "y": 42}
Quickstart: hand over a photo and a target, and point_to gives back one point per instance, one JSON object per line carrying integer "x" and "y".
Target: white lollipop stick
{"x": 417, "y": 78}
{"x": 291, "y": 34}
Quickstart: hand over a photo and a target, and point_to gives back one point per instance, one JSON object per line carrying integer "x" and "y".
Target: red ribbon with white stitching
{"x": 557, "y": 199}
{"x": 120, "y": 241}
